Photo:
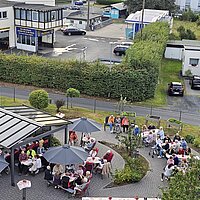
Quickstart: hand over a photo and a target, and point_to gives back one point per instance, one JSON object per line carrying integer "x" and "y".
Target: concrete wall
{"x": 174, "y": 53}
{"x": 45, "y": 2}
{"x": 8, "y": 24}
{"x": 188, "y": 53}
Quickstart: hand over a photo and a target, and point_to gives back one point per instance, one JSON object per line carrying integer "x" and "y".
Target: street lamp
{"x": 111, "y": 43}
{"x": 88, "y": 16}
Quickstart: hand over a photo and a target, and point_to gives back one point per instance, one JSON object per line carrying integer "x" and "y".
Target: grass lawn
{"x": 187, "y": 25}
{"x": 169, "y": 71}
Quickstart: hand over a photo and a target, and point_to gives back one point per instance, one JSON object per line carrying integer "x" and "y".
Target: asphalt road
{"x": 165, "y": 113}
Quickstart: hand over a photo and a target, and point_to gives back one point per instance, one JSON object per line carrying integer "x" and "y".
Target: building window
{"x": 71, "y": 21}
{"x": 23, "y": 39}
{"x": 194, "y": 62}
{"x": 80, "y": 22}
{"x": 23, "y": 14}
{"x": 4, "y": 14}
{"x": 53, "y": 15}
{"x": 35, "y": 16}
{"x": 41, "y": 17}
{"x": 60, "y": 15}
{"x": 19, "y": 39}
{"x": 28, "y": 14}
{"x": 17, "y": 14}
{"x": 45, "y": 17}
{"x": 32, "y": 41}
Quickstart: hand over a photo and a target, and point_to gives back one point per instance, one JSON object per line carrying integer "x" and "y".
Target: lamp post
{"x": 142, "y": 21}
{"x": 88, "y": 16}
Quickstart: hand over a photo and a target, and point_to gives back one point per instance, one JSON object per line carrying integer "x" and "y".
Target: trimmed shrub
{"x": 197, "y": 142}
{"x": 190, "y": 139}
{"x": 108, "y": 2}
{"x": 39, "y": 99}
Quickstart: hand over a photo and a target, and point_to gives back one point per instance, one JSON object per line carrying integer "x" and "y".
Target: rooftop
{"x": 83, "y": 16}
{"x": 118, "y": 6}
{"x": 4, "y": 3}
{"x": 194, "y": 43}
{"x": 150, "y": 15}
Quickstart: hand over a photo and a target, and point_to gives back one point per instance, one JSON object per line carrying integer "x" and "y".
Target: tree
{"x": 39, "y": 99}
{"x": 135, "y": 5}
{"x": 184, "y": 185}
{"x": 59, "y": 103}
{"x": 186, "y": 34}
{"x": 72, "y": 92}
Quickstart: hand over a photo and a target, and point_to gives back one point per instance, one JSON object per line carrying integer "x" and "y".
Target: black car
{"x": 175, "y": 88}
{"x": 74, "y": 31}
{"x": 120, "y": 50}
{"x": 195, "y": 82}
{"x": 74, "y": 7}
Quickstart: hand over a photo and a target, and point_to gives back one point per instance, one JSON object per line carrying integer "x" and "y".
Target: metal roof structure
{"x": 41, "y": 117}
{"x": 15, "y": 128}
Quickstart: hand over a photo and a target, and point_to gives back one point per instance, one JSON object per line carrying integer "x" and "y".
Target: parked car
{"x": 74, "y": 31}
{"x": 74, "y": 8}
{"x": 127, "y": 43}
{"x": 78, "y": 3}
{"x": 195, "y": 82}
{"x": 120, "y": 50}
{"x": 175, "y": 88}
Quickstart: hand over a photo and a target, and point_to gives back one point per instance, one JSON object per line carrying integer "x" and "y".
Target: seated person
{"x": 65, "y": 180}
{"x": 31, "y": 153}
{"x": 161, "y": 133}
{"x": 176, "y": 146}
{"x": 144, "y": 128}
{"x": 56, "y": 179}
{"x": 40, "y": 149}
{"x": 164, "y": 149}
{"x": 149, "y": 138}
{"x": 167, "y": 138}
{"x": 151, "y": 126}
{"x": 33, "y": 168}
{"x": 93, "y": 152}
{"x": 170, "y": 151}
{"x": 90, "y": 145}
{"x": 48, "y": 174}
{"x": 73, "y": 138}
{"x": 80, "y": 170}
{"x": 177, "y": 137}
{"x": 118, "y": 123}
{"x": 183, "y": 144}
{"x": 170, "y": 160}
{"x": 176, "y": 159}
{"x": 70, "y": 168}
{"x": 58, "y": 169}
{"x": 181, "y": 151}
{"x": 136, "y": 130}
{"x": 188, "y": 151}
{"x": 108, "y": 156}
{"x": 158, "y": 143}
{"x": 22, "y": 157}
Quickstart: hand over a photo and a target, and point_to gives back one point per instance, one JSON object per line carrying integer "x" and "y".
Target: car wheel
{"x": 117, "y": 54}
{"x": 83, "y": 33}
{"x": 69, "y": 33}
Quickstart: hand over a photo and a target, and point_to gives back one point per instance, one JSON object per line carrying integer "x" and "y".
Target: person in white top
{"x": 168, "y": 172}
{"x": 93, "y": 153}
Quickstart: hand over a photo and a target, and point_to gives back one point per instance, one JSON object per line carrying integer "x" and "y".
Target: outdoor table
{"x": 146, "y": 133}
{"x": 180, "y": 157}
{"x": 94, "y": 160}
{"x": 85, "y": 139}
{"x": 27, "y": 162}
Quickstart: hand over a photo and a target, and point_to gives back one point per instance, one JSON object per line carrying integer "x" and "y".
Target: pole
{"x": 12, "y": 165}
{"x": 67, "y": 102}
{"x": 88, "y": 16}
{"x": 24, "y": 194}
{"x": 66, "y": 134}
{"x": 95, "y": 103}
{"x": 110, "y": 55}
{"x": 143, "y": 6}
{"x": 14, "y": 94}
{"x": 151, "y": 110}
{"x": 180, "y": 116}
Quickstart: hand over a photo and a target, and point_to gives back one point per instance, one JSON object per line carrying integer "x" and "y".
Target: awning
{"x": 15, "y": 128}
{"x": 41, "y": 117}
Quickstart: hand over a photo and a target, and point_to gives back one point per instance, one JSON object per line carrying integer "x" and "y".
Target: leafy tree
{"x": 189, "y": 15}
{"x": 72, "y": 92}
{"x": 39, "y": 99}
{"x": 184, "y": 186}
{"x": 135, "y": 5}
{"x": 59, "y": 103}
{"x": 186, "y": 34}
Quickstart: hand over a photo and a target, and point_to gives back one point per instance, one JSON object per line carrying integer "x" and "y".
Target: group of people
{"x": 120, "y": 123}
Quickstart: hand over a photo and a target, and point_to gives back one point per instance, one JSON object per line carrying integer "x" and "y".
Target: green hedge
{"x": 135, "y": 78}
{"x": 108, "y": 2}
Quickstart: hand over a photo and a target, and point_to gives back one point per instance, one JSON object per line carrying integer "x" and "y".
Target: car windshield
{"x": 177, "y": 86}
{"x": 196, "y": 81}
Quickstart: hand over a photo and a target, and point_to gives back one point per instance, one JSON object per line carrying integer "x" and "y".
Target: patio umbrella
{"x": 66, "y": 155}
{"x": 3, "y": 163}
{"x": 84, "y": 125}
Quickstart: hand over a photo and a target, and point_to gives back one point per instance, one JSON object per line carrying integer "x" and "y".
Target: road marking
{"x": 91, "y": 39}
{"x": 60, "y": 51}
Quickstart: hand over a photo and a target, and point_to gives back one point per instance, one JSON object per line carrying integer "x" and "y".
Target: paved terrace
{"x": 147, "y": 187}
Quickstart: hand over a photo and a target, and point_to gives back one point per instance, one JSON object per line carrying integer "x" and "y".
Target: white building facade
{"x": 29, "y": 26}
{"x": 194, "y": 5}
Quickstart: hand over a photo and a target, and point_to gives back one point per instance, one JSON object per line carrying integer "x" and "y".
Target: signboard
{"x": 24, "y": 184}
{"x": 43, "y": 33}
{"x": 26, "y": 31}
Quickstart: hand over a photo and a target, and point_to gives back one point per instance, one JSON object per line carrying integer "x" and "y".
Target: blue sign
{"x": 26, "y": 31}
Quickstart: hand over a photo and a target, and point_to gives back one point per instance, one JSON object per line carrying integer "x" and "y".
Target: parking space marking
{"x": 60, "y": 51}
{"x": 91, "y": 39}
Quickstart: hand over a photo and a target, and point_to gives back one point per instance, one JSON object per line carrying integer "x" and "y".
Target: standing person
{"x": 73, "y": 138}
{"x": 136, "y": 130}
{"x": 183, "y": 144}
{"x": 161, "y": 133}
{"x": 22, "y": 157}
{"x": 125, "y": 124}
{"x": 111, "y": 121}
{"x": 168, "y": 172}
{"x": 118, "y": 124}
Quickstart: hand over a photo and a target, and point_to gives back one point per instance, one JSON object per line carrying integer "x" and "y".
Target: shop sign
{"x": 26, "y": 31}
